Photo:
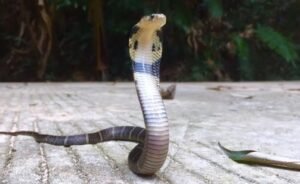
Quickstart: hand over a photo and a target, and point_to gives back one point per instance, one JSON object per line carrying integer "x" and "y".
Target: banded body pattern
{"x": 121, "y": 133}
{"x": 145, "y": 48}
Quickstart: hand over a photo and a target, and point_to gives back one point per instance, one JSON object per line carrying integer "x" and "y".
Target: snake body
{"x": 145, "y": 49}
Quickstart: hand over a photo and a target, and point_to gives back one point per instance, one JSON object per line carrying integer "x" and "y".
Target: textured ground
{"x": 260, "y": 116}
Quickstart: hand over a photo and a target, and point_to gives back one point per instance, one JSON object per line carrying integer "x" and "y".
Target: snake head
{"x": 152, "y": 21}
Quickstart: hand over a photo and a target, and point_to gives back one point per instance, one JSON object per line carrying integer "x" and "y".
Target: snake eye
{"x": 151, "y": 17}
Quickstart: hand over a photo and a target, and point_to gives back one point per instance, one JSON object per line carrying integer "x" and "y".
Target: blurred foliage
{"x": 219, "y": 40}
{"x": 277, "y": 42}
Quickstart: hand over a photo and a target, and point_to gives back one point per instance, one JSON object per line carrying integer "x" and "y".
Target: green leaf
{"x": 277, "y": 42}
{"x": 237, "y": 156}
{"x": 258, "y": 158}
{"x": 242, "y": 49}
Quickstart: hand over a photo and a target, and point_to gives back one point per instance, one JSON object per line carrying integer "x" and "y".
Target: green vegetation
{"x": 216, "y": 40}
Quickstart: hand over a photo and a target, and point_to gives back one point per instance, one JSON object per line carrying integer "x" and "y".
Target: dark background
{"x": 204, "y": 40}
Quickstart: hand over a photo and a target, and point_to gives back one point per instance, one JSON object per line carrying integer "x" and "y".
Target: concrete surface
{"x": 260, "y": 116}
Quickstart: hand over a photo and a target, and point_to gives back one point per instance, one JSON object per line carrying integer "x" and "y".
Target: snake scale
{"x": 145, "y": 49}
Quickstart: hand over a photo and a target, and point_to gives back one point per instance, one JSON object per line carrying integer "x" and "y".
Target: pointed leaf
{"x": 235, "y": 155}
{"x": 254, "y": 157}
{"x": 277, "y": 42}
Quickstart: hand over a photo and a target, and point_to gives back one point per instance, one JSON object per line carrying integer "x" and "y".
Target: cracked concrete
{"x": 260, "y": 116}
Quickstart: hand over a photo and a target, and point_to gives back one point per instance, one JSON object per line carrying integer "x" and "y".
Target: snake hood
{"x": 146, "y": 39}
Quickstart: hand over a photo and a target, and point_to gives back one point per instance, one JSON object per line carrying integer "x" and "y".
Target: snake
{"x": 150, "y": 153}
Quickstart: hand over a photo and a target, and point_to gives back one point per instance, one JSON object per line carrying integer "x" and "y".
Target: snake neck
{"x": 146, "y": 76}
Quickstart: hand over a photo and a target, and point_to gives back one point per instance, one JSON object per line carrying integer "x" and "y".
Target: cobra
{"x": 145, "y": 49}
